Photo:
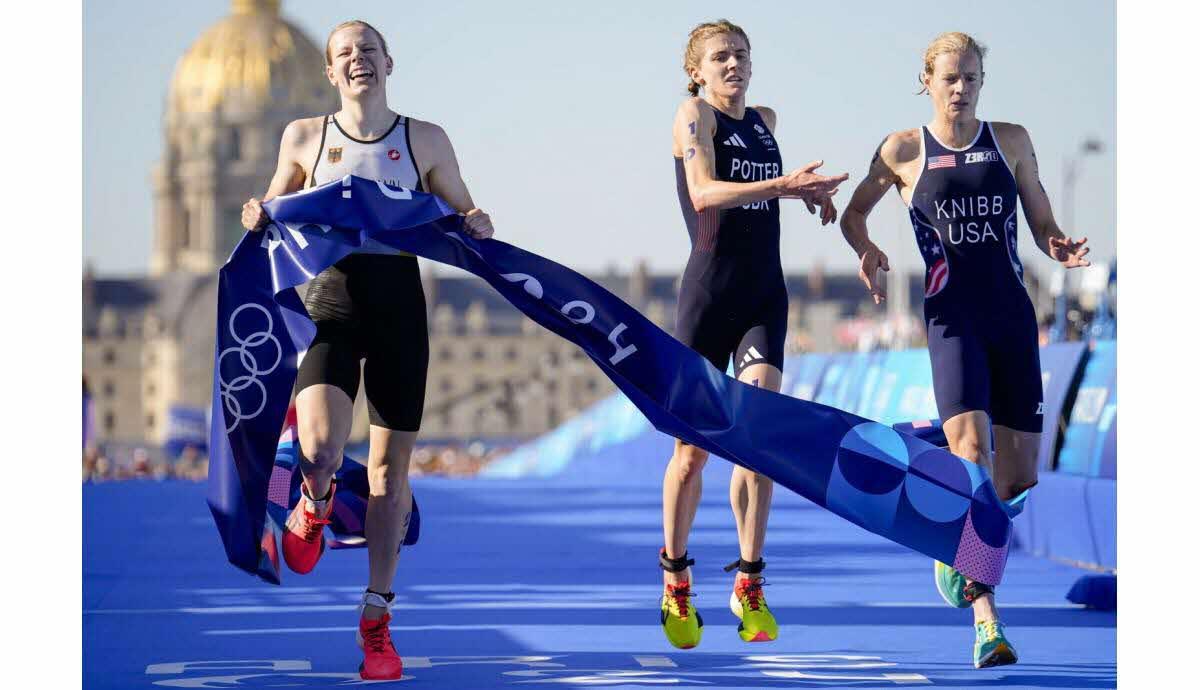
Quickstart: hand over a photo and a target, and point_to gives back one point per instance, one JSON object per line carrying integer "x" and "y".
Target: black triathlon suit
{"x": 983, "y": 339}
{"x": 733, "y": 300}
{"x": 370, "y": 306}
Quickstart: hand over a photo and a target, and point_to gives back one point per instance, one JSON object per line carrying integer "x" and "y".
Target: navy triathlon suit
{"x": 370, "y": 306}
{"x": 983, "y": 339}
{"x": 732, "y": 299}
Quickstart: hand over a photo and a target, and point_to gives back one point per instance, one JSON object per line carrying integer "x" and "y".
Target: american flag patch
{"x": 936, "y": 162}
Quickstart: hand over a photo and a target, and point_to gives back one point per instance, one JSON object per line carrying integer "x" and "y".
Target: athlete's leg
{"x": 326, "y": 384}
{"x": 389, "y": 507}
{"x": 682, "y": 486}
{"x": 324, "y": 414}
{"x": 969, "y": 436}
{"x": 1016, "y": 461}
{"x": 750, "y": 492}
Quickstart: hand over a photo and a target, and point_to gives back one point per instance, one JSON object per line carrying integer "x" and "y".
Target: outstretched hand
{"x": 1069, "y": 253}
{"x": 804, "y": 183}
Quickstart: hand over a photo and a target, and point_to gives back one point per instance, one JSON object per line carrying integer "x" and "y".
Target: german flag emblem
{"x": 335, "y": 154}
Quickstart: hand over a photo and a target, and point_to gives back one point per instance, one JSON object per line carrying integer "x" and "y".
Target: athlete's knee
{"x": 389, "y": 479}
{"x": 972, "y": 449}
{"x": 688, "y": 462}
{"x": 321, "y": 453}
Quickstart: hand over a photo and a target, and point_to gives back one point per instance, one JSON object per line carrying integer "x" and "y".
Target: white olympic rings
{"x": 250, "y": 363}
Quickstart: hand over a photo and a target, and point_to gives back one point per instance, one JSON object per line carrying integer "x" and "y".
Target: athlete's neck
{"x": 365, "y": 119}
{"x": 733, "y": 107}
{"x": 955, "y": 133}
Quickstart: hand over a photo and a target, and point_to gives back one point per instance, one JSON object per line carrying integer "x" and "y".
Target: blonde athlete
{"x": 732, "y": 299}
{"x": 366, "y": 307}
{"x": 961, "y": 178}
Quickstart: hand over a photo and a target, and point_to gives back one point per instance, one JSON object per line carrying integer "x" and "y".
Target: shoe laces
{"x": 376, "y": 636}
{"x": 313, "y": 526}
{"x": 677, "y": 599}
{"x": 990, "y": 630}
{"x": 751, "y": 591}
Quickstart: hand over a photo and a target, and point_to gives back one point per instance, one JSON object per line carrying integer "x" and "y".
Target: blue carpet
{"x": 520, "y": 583}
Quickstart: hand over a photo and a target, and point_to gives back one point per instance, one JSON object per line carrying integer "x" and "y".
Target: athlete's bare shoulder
{"x": 768, "y": 115}
{"x": 300, "y": 141}
{"x": 694, "y": 109}
{"x": 901, "y": 148}
{"x": 1012, "y": 138}
{"x": 428, "y": 133}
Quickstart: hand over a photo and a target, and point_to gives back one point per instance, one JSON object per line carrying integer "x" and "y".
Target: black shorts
{"x": 372, "y": 307}
{"x": 987, "y": 360}
{"x": 749, "y": 325}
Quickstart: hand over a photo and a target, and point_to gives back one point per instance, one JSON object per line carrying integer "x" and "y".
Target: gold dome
{"x": 254, "y": 57}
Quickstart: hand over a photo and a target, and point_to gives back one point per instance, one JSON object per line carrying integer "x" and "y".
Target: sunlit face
{"x": 954, "y": 85}
{"x": 725, "y": 67}
{"x": 359, "y": 63}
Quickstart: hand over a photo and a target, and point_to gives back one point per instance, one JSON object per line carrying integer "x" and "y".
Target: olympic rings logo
{"x": 246, "y": 349}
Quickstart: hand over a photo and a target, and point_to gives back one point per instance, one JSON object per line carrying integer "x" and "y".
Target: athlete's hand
{"x": 828, "y": 210}
{"x": 807, "y": 185}
{"x": 1069, "y": 252}
{"x": 872, "y": 265}
{"x": 478, "y": 224}
{"x": 254, "y": 217}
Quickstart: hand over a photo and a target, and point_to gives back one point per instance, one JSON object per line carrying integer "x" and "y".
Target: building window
{"x": 235, "y": 143}
{"x": 591, "y": 385}
{"x": 185, "y": 228}
{"x": 110, "y": 422}
{"x": 446, "y": 354}
{"x": 478, "y": 354}
{"x": 150, "y": 422}
{"x": 110, "y": 356}
{"x": 150, "y": 390}
{"x": 110, "y": 389}
{"x": 510, "y": 354}
{"x": 447, "y": 385}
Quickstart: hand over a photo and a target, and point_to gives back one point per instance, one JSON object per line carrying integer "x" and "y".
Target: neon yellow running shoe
{"x": 992, "y": 648}
{"x": 748, "y": 604}
{"x": 681, "y": 622}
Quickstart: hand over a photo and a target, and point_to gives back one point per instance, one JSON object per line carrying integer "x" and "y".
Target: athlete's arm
{"x": 431, "y": 144}
{"x": 1018, "y": 147}
{"x": 289, "y": 175}
{"x": 693, "y": 133}
{"x": 881, "y": 176}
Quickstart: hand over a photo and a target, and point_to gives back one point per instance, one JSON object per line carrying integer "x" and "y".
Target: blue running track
{"x": 554, "y": 583}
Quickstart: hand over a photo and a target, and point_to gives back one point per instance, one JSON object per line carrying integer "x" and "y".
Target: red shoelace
{"x": 313, "y": 526}
{"x": 752, "y": 590}
{"x": 680, "y": 594}
{"x": 376, "y": 637}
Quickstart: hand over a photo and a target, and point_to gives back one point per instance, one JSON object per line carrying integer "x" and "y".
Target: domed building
{"x": 148, "y": 342}
{"x": 233, "y": 92}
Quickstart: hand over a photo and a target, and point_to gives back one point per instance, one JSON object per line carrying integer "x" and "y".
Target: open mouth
{"x": 360, "y": 76}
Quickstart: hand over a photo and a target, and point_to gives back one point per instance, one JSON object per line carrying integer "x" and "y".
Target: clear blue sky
{"x": 561, "y": 111}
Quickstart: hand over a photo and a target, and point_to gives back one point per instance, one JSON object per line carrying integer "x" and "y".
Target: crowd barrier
{"x": 1070, "y": 517}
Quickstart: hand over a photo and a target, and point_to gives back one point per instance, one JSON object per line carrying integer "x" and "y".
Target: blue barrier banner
{"x": 1093, "y": 416}
{"x": 894, "y": 485}
{"x": 1060, "y": 366}
{"x": 802, "y": 375}
{"x": 904, "y": 391}
{"x": 186, "y": 426}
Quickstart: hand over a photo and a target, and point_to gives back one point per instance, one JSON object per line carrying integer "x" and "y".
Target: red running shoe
{"x": 304, "y": 538}
{"x": 380, "y": 660}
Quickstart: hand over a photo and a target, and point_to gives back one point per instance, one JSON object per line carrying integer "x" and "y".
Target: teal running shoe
{"x": 950, "y": 584}
{"x": 991, "y": 647}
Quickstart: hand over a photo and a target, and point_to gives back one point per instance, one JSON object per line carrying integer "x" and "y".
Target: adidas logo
{"x": 751, "y": 354}
{"x": 736, "y": 141}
